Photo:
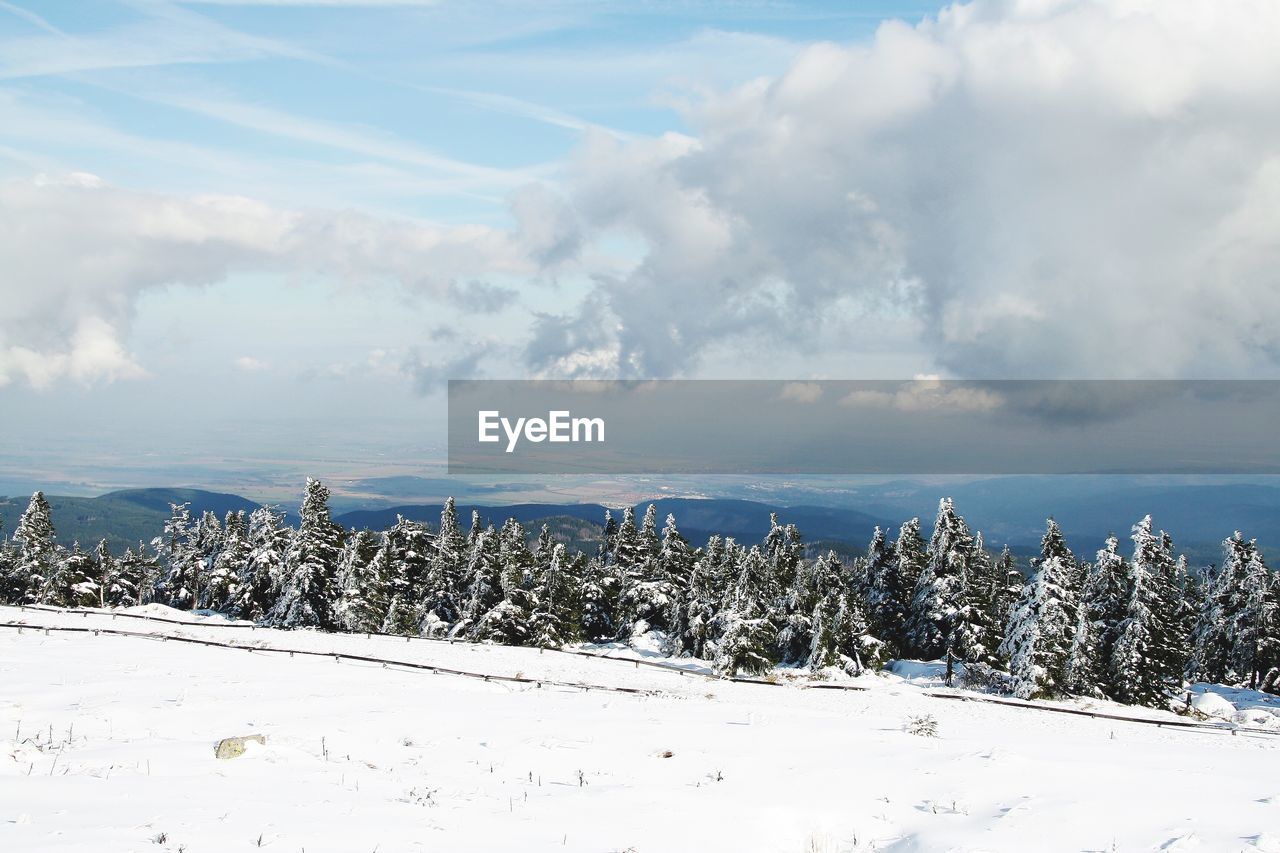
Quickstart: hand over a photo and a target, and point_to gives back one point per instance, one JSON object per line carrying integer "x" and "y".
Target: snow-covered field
{"x": 108, "y": 745}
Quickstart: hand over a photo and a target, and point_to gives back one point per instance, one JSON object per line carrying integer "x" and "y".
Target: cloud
{"x": 429, "y": 376}
{"x": 78, "y": 253}
{"x": 926, "y": 395}
{"x": 249, "y": 364}
{"x": 1056, "y": 188}
{"x": 164, "y": 35}
{"x": 801, "y": 392}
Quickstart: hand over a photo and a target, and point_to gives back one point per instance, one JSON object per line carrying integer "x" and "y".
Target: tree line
{"x": 1131, "y": 626}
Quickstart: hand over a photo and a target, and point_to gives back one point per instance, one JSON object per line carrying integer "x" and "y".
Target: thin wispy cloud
{"x": 365, "y": 141}
{"x": 526, "y": 109}
{"x": 31, "y": 18}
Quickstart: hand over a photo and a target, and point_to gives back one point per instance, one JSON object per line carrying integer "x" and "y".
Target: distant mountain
{"x": 1013, "y": 510}
{"x": 122, "y": 518}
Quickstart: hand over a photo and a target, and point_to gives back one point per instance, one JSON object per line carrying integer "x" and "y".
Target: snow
{"x": 107, "y": 745}
{"x": 1213, "y": 705}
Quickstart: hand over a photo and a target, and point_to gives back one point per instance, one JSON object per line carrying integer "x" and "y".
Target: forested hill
{"x": 1008, "y": 510}
{"x": 123, "y": 518}
{"x": 747, "y": 521}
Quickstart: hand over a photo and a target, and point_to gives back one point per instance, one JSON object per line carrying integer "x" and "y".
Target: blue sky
{"x": 230, "y": 212}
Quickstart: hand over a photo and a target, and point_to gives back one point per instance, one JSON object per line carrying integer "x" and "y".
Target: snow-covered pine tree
{"x": 599, "y": 594}
{"x": 77, "y": 584}
{"x": 364, "y": 576}
{"x": 888, "y": 598}
{"x": 1041, "y": 630}
{"x": 839, "y": 635}
{"x": 813, "y": 580}
{"x": 1145, "y": 663}
{"x": 675, "y": 559}
{"x": 783, "y": 549}
{"x": 208, "y": 543}
{"x": 608, "y": 539}
{"x": 111, "y": 587}
{"x": 1102, "y": 608}
{"x": 308, "y": 593}
{"x": 263, "y": 574}
{"x": 230, "y": 564}
{"x": 913, "y": 557}
{"x": 701, "y": 599}
{"x": 650, "y": 544}
{"x": 1210, "y": 658}
{"x": 986, "y": 591}
{"x": 180, "y": 553}
{"x": 136, "y": 575}
{"x": 484, "y": 581}
{"x": 38, "y": 558}
{"x": 1254, "y": 629}
{"x": 651, "y": 596}
{"x": 746, "y": 633}
{"x": 508, "y": 622}
{"x": 12, "y": 589}
{"x": 628, "y": 553}
{"x": 411, "y": 553}
{"x": 943, "y": 621}
{"x": 631, "y": 556}
{"x": 554, "y": 622}
{"x": 442, "y": 606}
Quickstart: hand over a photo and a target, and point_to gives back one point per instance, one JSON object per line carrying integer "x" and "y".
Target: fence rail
{"x": 389, "y": 662}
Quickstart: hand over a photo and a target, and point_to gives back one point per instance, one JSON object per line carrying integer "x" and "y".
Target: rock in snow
{"x": 234, "y": 747}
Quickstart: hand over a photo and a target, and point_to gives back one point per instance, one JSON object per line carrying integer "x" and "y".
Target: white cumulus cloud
{"x": 1052, "y": 187}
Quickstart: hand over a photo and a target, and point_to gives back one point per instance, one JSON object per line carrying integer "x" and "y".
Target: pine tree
{"x": 411, "y": 555}
{"x": 264, "y": 573}
{"x": 484, "y": 574}
{"x": 628, "y": 552}
{"x": 796, "y": 619}
{"x": 308, "y": 594}
{"x": 77, "y": 584}
{"x": 180, "y": 553}
{"x": 651, "y": 597}
{"x": 441, "y": 604}
{"x": 888, "y": 598}
{"x": 987, "y": 590}
{"x": 114, "y": 590}
{"x": 702, "y": 600}
{"x": 37, "y": 563}
{"x": 1146, "y": 660}
{"x": 745, "y": 633}
{"x": 12, "y": 586}
{"x": 208, "y": 538}
{"x": 554, "y": 622}
{"x": 1102, "y": 608}
{"x": 608, "y": 539}
{"x": 1038, "y": 642}
{"x": 784, "y": 550}
{"x": 649, "y": 542}
{"x": 599, "y": 596}
{"x": 675, "y": 560}
{"x": 839, "y": 633}
{"x": 1253, "y": 629}
{"x": 365, "y": 580}
{"x": 943, "y": 620}
{"x": 230, "y": 564}
{"x": 508, "y": 622}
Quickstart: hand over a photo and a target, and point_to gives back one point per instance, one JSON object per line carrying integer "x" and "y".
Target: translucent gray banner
{"x": 864, "y": 427}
